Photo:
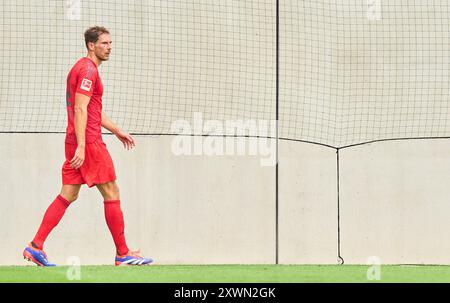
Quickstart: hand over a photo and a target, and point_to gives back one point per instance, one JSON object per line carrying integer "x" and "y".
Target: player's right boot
{"x": 36, "y": 255}
{"x": 132, "y": 258}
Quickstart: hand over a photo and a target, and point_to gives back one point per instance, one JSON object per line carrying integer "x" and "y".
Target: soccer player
{"x": 87, "y": 159}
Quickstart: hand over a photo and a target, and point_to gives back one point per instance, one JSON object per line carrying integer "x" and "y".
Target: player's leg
{"x": 116, "y": 225}
{"x": 114, "y": 214}
{"x": 70, "y": 192}
{"x": 54, "y": 213}
{"x": 109, "y": 190}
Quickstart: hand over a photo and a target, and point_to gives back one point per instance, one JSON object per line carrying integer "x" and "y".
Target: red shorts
{"x": 97, "y": 167}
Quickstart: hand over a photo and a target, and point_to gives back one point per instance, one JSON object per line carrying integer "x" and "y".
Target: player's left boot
{"x": 36, "y": 255}
{"x": 132, "y": 258}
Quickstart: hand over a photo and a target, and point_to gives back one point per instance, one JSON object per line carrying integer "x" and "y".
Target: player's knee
{"x": 109, "y": 191}
{"x": 113, "y": 192}
{"x": 70, "y": 192}
{"x": 71, "y": 197}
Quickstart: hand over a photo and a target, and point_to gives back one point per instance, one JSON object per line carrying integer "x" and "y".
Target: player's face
{"x": 103, "y": 46}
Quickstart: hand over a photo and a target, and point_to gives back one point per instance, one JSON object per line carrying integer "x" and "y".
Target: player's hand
{"x": 126, "y": 139}
{"x": 78, "y": 158}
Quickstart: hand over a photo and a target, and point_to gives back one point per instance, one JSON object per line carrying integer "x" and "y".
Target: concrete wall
{"x": 308, "y": 203}
{"x": 395, "y": 202}
{"x": 221, "y": 209}
{"x": 178, "y": 209}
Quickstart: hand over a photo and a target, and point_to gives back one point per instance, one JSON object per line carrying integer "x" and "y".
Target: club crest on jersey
{"x": 86, "y": 84}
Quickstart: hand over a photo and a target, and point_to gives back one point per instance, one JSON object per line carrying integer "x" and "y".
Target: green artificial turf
{"x": 226, "y": 274}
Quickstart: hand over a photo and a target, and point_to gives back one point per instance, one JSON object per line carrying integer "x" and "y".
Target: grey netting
{"x": 349, "y": 71}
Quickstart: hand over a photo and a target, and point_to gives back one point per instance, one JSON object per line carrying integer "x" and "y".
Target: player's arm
{"x": 126, "y": 139}
{"x": 80, "y": 121}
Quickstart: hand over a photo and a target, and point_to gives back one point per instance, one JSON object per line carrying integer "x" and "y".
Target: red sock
{"x": 51, "y": 218}
{"x": 116, "y": 225}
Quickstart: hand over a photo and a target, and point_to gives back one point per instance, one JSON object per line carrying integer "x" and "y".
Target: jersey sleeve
{"x": 86, "y": 80}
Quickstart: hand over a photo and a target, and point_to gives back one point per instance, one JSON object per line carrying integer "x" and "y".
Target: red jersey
{"x": 84, "y": 78}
